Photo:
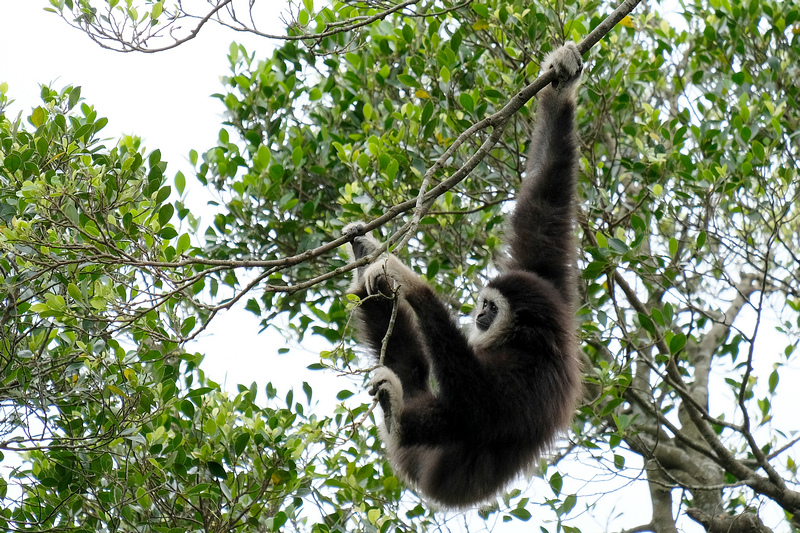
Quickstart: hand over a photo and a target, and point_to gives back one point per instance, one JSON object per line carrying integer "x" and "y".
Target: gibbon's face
{"x": 492, "y": 319}
{"x": 486, "y": 314}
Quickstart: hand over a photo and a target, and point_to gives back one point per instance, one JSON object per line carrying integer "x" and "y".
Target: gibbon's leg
{"x": 405, "y": 354}
{"x": 541, "y": 237}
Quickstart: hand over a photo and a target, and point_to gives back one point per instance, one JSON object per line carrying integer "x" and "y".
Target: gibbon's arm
{"x": 542, "y": 234}
{"x": 458, "y": 372}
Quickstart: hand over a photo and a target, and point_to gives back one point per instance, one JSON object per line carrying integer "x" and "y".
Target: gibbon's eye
{"x": 487, "y": 315}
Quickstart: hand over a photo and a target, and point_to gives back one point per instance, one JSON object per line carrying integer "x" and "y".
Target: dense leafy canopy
{"x": 689, "y": 228}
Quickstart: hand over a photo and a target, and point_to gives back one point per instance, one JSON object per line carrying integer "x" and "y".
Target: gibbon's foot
{"x": 386, "y": 387}
{"x": 567, "y": 63}
{"x": 389, "y": 277}
{"x": 361, "y": 244}
{"x": 379, "y": 281}
{"x": 356, "y": 228}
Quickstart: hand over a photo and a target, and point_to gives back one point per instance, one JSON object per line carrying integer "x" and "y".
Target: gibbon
{"x": 505, "y": 390}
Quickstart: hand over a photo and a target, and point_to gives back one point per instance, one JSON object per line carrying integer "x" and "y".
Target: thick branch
{"x": 722, "y": 523}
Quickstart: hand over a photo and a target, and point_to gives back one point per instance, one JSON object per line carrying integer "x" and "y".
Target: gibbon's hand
{"x": 567, "y": 63}
{"x": 386, "y": 387}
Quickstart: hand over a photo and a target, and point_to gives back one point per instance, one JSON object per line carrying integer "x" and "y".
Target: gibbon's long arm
{"x": 457, "y": 371}
{"x": 542, "y": 234}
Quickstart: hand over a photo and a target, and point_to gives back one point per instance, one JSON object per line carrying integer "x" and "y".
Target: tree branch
{"x": 722, "y": 523}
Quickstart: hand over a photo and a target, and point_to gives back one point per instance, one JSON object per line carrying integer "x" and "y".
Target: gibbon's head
{"x": 491, "y": 320}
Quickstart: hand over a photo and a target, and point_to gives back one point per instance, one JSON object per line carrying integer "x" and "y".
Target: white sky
{"x": 165, "y": 99}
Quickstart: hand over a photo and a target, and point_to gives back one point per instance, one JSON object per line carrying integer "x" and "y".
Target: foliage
{"x": 689, "y": 230}
{"x": 118, "y": 427}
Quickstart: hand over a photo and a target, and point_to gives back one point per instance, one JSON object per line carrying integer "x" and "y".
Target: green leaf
{"x": 408, "y": 33}
{"x": 188, "y": 326}
{"x": 263, "y": 157}
{"x": 465, "y": 99}
{"x": 773, "y": 381}
{"x": 163, "y": 194}
{"x": 184, "y": 242}
{"x": 391, "y": 169}
{"x": 427, "y": 113}
{"x": 240, "y": 444}
{"x": 75, "y": 292}
{"x": 647, "y": 323}
{"x": 216, "y": 470}
{"x": 758, "y": 151}
{"x": 253, "y": 307}
{"x": 199, "y": 489}
{"x": 74, "y": 97}
{"x": 407, "y": 80}
{"x": 154, "y": 158}
{"x": 520, "y": 513}
{"x": 180, "y": 182}
{"x": 569, "y": 503}
{"x": 343, "y": 395}
{"x": 610, "y": 406}
{"x": 38, "y": 117}
{"x": 701, "y": 240}
{"x": 433, "y": 269}
{"x": 480, "y": 9}
{"x": 297, "y": 156}
{"x": 556, "y": 483}
{"x": 165, "y": 214}
{"x": 12, "y": 162}
{"x": 168, "y": 233}
{"x": 677, "y": 343}
{"x": 619, "y": 461}
{"x": 617, "y": 245}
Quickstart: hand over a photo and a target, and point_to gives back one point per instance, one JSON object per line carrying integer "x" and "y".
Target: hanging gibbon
{"x": 507, "y": 387}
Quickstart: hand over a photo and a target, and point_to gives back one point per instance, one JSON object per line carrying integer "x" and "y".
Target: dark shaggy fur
{"x": 504, "y": 393}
